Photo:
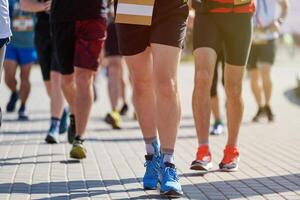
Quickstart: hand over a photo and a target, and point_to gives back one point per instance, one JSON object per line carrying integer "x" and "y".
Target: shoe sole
{"x": 172, "y": 194}
{"x": 229, "y": 170}
{"x": 50, "y": 140}
{"x": 198, "y": 167}
{"x": 78, "y": 153}
{"x": 150, "y": 188}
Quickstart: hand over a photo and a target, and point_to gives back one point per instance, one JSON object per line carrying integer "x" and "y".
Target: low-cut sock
{"x": 168, "y": 156}
{"x": 149, "y": 145}
{"x": 203, "y": 144}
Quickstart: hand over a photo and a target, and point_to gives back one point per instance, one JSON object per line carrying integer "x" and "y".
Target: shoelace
{"x": 171, "y": 174}
{"x": 151, "y": 166}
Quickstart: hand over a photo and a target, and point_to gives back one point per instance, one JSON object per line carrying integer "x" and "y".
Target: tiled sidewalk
{"x": 270, "y": 153}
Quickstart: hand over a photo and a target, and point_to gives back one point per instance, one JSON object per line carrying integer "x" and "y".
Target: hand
{"x": 47, "y": 6}
{"x": 190, "y": 21}
{"x": 274, "y": 27}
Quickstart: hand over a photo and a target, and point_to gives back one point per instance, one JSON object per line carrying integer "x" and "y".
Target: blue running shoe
{"x": 63, "y": 126}
{"x": 53, "y": 134}
{"x": 169, "y": 181}
{"x": 150, "y": 179}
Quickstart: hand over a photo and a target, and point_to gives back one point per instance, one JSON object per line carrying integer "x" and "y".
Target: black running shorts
{"x": 45, "y": 50}
{"x": 111, "y": 42}
{"x": 233, "y": 30}
{"x": 168, "y": 28}
{"x": 262, "y": 53}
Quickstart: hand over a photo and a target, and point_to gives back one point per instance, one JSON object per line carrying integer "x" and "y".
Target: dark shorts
{"x": 111, "y": 42}
{"x": 168, "y": 28}
{"x": 78, "y": 44}
{"x": 3, "y": 41}
{"x": 214, "y": 86}
{"x": 45, "y": 50}
{"x": 262, "y": 53}
{"x": 231, "y": 30}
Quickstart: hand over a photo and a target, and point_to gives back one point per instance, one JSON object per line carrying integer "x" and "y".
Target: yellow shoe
{"x": 78, "y": 151}
{"x": 114, "y": 119}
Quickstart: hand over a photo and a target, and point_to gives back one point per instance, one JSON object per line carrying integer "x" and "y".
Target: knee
{"x": 84, "y": 80}
{"x": 233, "y": 90}
{"x": 142, "y": 85}
{"x": 167, "y": 88}
{"x": 203, "y": 80}
{"x": 25, "y": 82}
{"x": 67, "y": 81}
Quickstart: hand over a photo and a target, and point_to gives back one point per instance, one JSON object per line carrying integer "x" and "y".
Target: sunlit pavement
{"x": 270, "y": 152}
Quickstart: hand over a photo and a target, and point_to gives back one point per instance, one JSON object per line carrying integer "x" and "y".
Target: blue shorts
{"x": 22, "y": 56}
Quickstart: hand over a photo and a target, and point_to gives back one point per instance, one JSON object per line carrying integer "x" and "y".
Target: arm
{"x": 190, "y": 22}
{"x": 284, "y": 5}
{"x": 34, "y": 6}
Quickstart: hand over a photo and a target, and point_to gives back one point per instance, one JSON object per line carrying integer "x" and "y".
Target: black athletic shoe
{"x": 11, "y": 105}
{"x": 71, "y": 129}
{"x": 269, "y": 113}
{"x": 260, "y": 113}
{"x": 124, "y": 109}
{"x": 22, "y": 113}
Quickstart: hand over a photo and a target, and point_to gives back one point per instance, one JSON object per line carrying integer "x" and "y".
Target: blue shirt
{"x": 22, "y": 25}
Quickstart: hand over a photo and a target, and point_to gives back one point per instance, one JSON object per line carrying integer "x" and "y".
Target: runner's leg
{"x": 114, "y": 77}
{"x": 10, "y": 69}
{"x": 143, "y": 91}
{"x": 265, "y": 72}
{"x": 233, "y": 87}
{"x": 205, "y": 59}
{"x": 68, "y": 88}
{"x": 57, "y": 98}
{"x": 168, "y": 110}
{"x": 83, "y": 98}
{"x": 25, "y": 85}
{"x": 254, "y": 75}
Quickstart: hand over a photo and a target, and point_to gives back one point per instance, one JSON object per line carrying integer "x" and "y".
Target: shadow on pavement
{"x": 101, "y": 188}
{"x": 29, "y": 132}
{"x": 31, "y": 120}
{"x": 132, "y": 139}
{"x": 291, "y": 96}
{"x": 26, "y": 157}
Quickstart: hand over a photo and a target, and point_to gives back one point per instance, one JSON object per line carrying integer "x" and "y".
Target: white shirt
{"x": 5, "y": 31}
{"x": 266, "y": 13}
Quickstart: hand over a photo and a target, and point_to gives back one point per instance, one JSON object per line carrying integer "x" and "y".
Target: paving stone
{"x": 30, "y": 169}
